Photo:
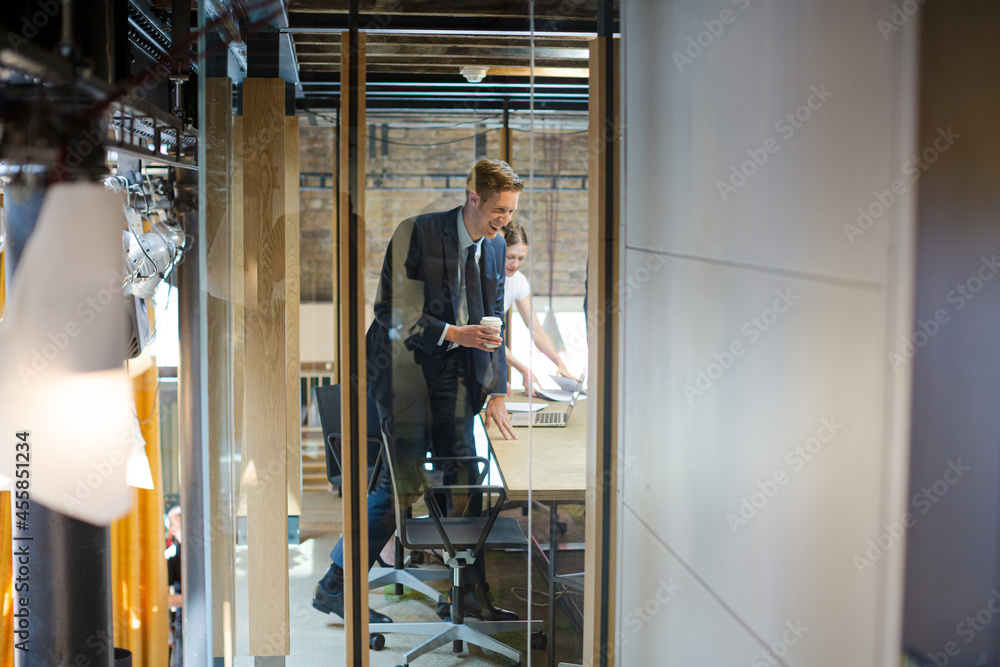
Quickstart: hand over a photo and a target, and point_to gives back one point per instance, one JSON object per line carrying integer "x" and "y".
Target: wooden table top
{"x": 558, "y": 458}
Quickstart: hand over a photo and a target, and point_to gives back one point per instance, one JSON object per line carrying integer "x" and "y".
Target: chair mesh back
{"x": 328, "y": 403}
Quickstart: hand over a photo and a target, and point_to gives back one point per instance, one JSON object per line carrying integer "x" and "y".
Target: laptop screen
{"x": 576, "y": 395}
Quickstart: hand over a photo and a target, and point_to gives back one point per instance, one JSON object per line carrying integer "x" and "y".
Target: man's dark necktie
{"x": 473, "y": 287}
{"x": 474, "y": 299}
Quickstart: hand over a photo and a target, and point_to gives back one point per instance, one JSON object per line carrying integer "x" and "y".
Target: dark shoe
{"x": 333, "y": 603}
{"x": 478, "y": 609}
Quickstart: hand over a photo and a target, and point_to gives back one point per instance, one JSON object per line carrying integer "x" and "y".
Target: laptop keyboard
{"x": 548, "y": 417}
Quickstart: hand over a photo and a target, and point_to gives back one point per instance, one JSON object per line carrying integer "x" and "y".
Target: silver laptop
{"x": 548, "y": 417}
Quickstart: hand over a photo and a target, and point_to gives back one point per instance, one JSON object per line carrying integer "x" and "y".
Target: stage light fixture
{"x": 150, "y": 257}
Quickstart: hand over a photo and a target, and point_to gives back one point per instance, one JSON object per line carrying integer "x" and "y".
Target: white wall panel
{"x": 662, "y": 593}
{"x": 714, "y": 285}
{"x": 789, "y": 424}
{"x": 698, "y": 120}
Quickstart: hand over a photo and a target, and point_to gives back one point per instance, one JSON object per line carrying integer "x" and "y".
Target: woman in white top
{"x": 517, "y": 290}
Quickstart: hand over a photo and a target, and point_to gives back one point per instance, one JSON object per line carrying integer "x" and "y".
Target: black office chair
{"x": 328, "y": 402}
{"x": 462, "y": 540}
{"x": 401, "y": 573}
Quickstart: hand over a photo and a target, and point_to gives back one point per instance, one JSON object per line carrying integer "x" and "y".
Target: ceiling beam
{"x": 544, "y": 9}
{"x": 423, "y": 104}
{"x": 383, "y": 80}
{"x": 305, "y": 22}
{"x": 377, "y": 51}
{"x": 377, "y": 38}
{"x": 333, "y": 69}
{"x": 403, "y": 63}
{"x": 326, "y": 90}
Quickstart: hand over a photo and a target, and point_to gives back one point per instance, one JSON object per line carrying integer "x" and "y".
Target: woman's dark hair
{"x": 514, "y": 234}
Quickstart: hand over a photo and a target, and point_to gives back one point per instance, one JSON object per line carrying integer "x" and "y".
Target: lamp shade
{"x": 137, "y": 471}
{"x": 62, "y": 346}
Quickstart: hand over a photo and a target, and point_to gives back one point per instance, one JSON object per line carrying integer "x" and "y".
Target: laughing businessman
{"x": 431, "y": 365}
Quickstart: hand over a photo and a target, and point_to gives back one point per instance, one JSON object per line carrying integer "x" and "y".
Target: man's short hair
{"x": 491, "y": 176}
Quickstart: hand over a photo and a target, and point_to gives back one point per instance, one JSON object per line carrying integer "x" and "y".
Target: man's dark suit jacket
{"x": 417, "y": 295}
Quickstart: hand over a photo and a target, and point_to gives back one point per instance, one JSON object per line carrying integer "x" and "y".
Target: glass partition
{"x": 447, "y": 408}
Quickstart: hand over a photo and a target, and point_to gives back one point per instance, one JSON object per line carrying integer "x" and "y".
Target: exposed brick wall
{"x": 316, "y": 216}
{"x": 399, "y": 186}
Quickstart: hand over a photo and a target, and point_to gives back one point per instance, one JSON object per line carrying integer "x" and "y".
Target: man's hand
{"x": 475, "y": 335}
{"x": 496, "y": 409}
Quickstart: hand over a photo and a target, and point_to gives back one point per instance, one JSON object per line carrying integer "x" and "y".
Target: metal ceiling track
{"x": 139, "y": 127}
{"x": 435, "y": 91}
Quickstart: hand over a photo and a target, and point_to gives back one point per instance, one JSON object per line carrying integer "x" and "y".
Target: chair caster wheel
{"x": 561, "y": 525}
{"x": 444, "y": 611}
{"x": 417, "y": 557}
{"x": 539, "y": 641}
{"x": 376, "y": 642}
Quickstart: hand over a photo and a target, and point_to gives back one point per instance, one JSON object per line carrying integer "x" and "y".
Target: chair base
{"x": 379, "y": 577}
{"x": 441, "y": 634}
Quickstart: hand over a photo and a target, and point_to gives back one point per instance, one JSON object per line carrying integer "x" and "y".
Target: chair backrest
{"x": 410, "y": 477}
{"x": 328, "y": 401}
{"x": 396, "y": 475}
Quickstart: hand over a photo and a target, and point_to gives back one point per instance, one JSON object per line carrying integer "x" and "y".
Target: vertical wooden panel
{"x": 149, "y": 506}
{"x": 336, "y": 246}
{"x": 237, "y": 329}
{"x": 602, "y": 323}
{"x": 292, "y": 315}
{"x": 138, "y": 575}
{"x": 266, "y": 426}
{"x": 7, "y": 585}
{"x": 3, "y": 274}
{"x": 352, "y": 349}
{"x": 6, "y": 582}
{"x": 218, "y": 138}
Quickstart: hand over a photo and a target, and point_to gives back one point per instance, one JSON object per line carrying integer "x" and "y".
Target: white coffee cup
{"x": 494, "y": 322}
